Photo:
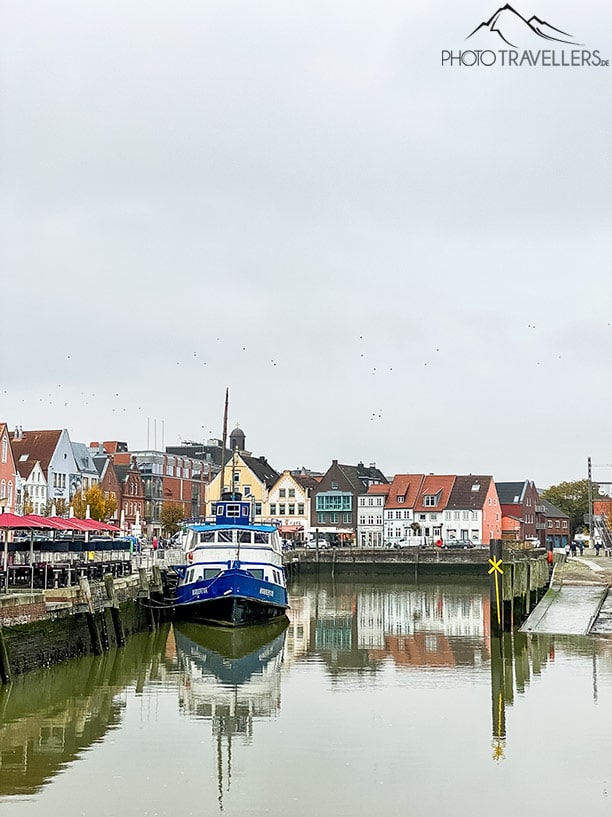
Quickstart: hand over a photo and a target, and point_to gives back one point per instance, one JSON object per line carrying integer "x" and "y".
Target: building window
{"x": 347, "y": 519}
{"x": 549, "y": 523}
{"x": 430, "y": 501}
{"x": 557, "y": 524}
{"x": 300, "y": 509}
{"x": 333, "y": 518}
{"x": 291, "y": 509}
{"x": 258, "y": 509}
{"x": 246, "y": 490}
{"x": 272, "y": 508}
{"x": 320, "y": 518}
{"x": 281, "y": 509}
{"x": 334, "y": 485}
{"x": 291, "y": 493}
{"x": 4, "y": 448}
{"x": 565, "y": 523}
{"x": 281, "y": 493}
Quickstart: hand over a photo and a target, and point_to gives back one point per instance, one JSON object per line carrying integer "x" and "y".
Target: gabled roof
{"x": 406, "y": 486}
{"x": 511, "y": 493}
{"x": 121, "y": 472}
{"x": 101, "y": 462}
{"x": 552, "y": 510}
{"x": 469, "y": 492}
{"x": 435, "y": 485}
{"x": 360, "y": 476}
{"x": 38, "y": 445}
{"x": 307, "y": 481}
{"x": 379, "y": 488}
{"x": 24, "y": 469}
{"x": 83, "y": 459}
{"x": 262, "y": 469}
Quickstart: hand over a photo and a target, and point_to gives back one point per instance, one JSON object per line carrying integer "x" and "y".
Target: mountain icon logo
{"x": 515, "y": 30}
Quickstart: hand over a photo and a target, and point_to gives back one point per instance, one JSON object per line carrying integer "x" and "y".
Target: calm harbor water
{"x": 378, "y": 697}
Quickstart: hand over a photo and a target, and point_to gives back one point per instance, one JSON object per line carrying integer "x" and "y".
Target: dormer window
{"x": 400, "y": 499}
{"x": 476, "y": 487}
{"x": 334, "y": 485}
{"x": 430, "y": 500}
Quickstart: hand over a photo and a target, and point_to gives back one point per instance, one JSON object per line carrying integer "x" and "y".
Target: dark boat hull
{"x": 230, "y": 612}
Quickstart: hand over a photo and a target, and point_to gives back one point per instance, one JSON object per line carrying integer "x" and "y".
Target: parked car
{"x": 458, "y": 544}
{"x": 312, "y": 543}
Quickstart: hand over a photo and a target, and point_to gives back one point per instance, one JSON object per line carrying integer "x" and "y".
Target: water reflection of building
{"x": 425, "y": 625}
{"x": 298, "y": 632}
{"x": 48, "y": 718}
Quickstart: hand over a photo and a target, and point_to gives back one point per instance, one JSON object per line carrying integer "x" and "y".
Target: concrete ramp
{"x": 567, "y": 610}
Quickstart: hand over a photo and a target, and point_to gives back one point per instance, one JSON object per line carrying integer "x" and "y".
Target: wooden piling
{"x": 144, "y": 593}
{"x": 5, "y": 666}
{"x": 111, "y": 594}
{"x": 94, "y": 632}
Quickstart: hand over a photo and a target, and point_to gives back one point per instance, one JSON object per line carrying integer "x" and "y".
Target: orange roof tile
{"x": 435, "y": 484}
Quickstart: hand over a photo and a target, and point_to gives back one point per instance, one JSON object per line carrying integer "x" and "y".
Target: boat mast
{"x": 223, "y": 443}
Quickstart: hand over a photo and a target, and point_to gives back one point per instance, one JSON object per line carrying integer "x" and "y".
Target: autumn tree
{"x": 171, "y": 516}
{"x": 573, "y": 499}
{"x": 101, "y": 505}
{"x": 61, "y": 507}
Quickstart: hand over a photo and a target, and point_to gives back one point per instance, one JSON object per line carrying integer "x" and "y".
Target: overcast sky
{"x": 384, "y": 259}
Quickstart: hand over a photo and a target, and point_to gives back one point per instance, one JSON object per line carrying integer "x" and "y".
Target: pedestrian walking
{"x": 597, "y": 546}
{"x": 573, "y": 548}
{"x": 581, "y": 546}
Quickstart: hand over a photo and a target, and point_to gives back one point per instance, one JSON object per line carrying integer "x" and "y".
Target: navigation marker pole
{"x": 497, "y": 571}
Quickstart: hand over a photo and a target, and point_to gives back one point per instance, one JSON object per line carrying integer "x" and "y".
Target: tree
{"x": 28, "y": 505}
{"x": 61, "y": 507}
{"x": 171, "y": 517}
{"x": 573, "y": 499}
{"x": 101, "y": 505}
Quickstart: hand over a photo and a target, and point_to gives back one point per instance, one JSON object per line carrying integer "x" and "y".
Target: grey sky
{"x": 384, "y": 259}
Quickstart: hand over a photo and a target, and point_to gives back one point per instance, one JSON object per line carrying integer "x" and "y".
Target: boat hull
{"x": 233, "y": 599}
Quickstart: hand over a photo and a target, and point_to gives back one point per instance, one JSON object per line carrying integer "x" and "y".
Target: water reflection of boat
{"x": 232, "y": 678}
{"x": 231, "y": 656}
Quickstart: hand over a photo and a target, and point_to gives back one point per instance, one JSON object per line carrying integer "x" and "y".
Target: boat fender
{"x": 190, "y": 556}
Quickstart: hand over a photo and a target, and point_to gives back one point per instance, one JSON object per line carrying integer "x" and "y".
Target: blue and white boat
{"x": 233, "y": 572}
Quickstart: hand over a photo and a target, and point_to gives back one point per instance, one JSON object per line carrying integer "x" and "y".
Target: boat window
{"x": 261, "y": 538}
{"x": 256, "y": 572}
{"x": 244, "y": 536}
{"x": 211, "y": 572}
{"x": 190, "y": 575}
{"x": 275, "y": 574}
{"x": 232, "y": 510}
{"x": 207, "y": 536}
{"x": 225, "y": 535}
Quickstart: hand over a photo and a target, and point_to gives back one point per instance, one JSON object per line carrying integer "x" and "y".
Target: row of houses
{"x": 348, "y": 504}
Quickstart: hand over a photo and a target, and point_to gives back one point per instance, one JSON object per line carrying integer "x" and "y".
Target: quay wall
{"x": 45, "y": 628}
{"x": 359, "y": 561}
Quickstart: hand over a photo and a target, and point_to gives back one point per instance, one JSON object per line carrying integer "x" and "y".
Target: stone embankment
{"x": 41, "y": 628}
